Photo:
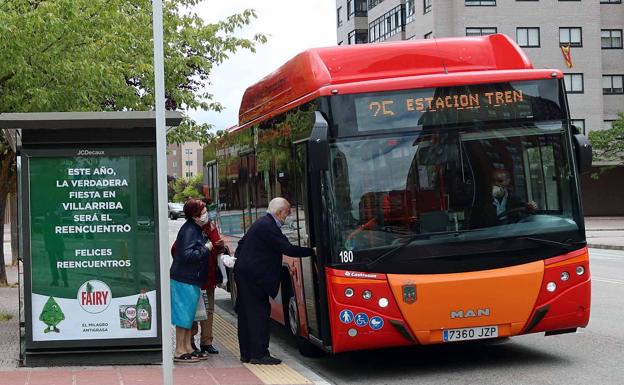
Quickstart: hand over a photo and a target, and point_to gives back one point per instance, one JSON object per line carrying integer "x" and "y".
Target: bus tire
{"x": 291, "y": 320}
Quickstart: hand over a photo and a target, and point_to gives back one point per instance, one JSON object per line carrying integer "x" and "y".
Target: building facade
{"x": 592, "y": 28}
{"x": 184, "y": 160}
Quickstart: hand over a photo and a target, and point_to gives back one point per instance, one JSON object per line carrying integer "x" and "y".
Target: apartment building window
{"x": 357, "y": 36}
{"x": 573, "y": 83}
{"x": 480, "y": 2}
{"x": 174, "y": 152}
{"x": 358, "y": 10}
{"x": 389, "y": 24}
{"x": 189, "y": 174}
{"x": 528, "y": 36}
{"x": 429, "y": 35}
{"x": 608, "y": 124}
{"x": 373, "y": 3}
{"x": 613, "y": 84}
{"x": 611, "y": 38}
{"x": 427, "y": 6}
{"x": 361, "y": 9}
{"x": 338, "y": 18}
{"x": 480, "y": 31}
{"x": 579, "y": 123}
{"x": 174, "y": 164}
{"x": 572, "y": 36}
{"x": 188, "y": 162}
{"x": 610, "y": 1}
{"x": 410, "y": 11}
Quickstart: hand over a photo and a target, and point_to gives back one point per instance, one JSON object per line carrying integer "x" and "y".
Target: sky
{"x": 292, "y": 26}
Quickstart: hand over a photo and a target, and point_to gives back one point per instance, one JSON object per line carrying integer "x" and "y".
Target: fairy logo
{"x": 94, "y": 296}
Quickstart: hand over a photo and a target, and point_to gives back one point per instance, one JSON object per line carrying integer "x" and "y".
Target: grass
{"x": 5, "y": 316}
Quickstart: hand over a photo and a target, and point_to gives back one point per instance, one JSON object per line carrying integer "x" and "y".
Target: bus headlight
{"x": 580, "y": 270}
{"x": 565, "y": 276}
{"x": 348, "y": 292}
{"x": 551, "y": 286}
{"x": 367, "y": 294}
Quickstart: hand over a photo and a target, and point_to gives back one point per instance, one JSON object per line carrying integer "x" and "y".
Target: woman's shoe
{"x": 200, "y": 355}
{"x": 185, "y": 358}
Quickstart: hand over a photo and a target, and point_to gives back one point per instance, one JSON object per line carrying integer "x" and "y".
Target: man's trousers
{"x": 254, "y": 316}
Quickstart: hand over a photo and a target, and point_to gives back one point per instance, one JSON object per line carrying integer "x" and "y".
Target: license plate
{"x": 465, "y": 334}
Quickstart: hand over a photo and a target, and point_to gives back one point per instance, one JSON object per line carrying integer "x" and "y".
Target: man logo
{"x": 470, "y": 313}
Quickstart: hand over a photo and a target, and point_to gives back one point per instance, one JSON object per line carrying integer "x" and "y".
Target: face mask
{"x": 498, "y": 191}
{"x": 203, "y": 219}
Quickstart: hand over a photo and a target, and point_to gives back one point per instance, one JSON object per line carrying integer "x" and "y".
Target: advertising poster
{"x": 92, "y": 242}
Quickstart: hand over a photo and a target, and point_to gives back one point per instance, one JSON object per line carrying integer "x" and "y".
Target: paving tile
{"x": 51, "y": 377}
{"x": 13, "y": 377}
{"x": 234, "y": 376}
{"x": 107, "y": 376}
{"x": 192, "y": 376}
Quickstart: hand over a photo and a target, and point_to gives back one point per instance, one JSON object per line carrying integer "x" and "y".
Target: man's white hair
{"x": 277, "y": 204}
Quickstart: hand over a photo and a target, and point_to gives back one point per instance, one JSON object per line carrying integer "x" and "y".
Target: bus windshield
{"x": 454, "y": 186}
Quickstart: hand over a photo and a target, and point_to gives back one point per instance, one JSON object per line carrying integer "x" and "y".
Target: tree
{"x": 187, "y": 187}
{"x": 608, "y": 145}
{"x": 96, "y": 55}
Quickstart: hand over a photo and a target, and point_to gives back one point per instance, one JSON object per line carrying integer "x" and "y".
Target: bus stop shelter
{"x": 89, "y": 235}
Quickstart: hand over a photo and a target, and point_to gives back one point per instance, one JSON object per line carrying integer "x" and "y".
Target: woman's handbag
{"x": 200, "y": 309}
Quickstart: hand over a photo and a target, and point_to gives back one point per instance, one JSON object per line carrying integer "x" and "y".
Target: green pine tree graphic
{"x": 51, "y": 315}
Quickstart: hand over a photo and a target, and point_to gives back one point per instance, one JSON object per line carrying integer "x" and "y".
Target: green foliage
{"x": 93, "y": 55}
{"x": 5, "y": 316}
{"x": 185, "y": 187}
{"x": 608, "y": 145}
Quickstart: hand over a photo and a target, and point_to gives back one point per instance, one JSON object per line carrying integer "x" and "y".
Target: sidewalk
{"x": 223, "y": 368}
{"x": 605, "y": 232}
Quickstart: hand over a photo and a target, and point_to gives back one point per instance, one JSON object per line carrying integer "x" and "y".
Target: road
{"x": 592, "y": 355}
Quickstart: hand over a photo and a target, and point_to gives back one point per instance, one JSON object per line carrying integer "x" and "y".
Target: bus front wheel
{"x": 291, "y": 318}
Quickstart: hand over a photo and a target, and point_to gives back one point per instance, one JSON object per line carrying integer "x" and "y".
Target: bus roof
{"x": 304, "y": 75}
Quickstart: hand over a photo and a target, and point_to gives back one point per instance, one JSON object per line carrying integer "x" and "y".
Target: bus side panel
{"x": 357, "y": 323}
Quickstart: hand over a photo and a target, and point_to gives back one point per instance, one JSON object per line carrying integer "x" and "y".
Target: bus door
{"x": 304, "y": 222}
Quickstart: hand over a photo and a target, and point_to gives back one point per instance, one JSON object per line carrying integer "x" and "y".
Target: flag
{"x": 565, "y": 50}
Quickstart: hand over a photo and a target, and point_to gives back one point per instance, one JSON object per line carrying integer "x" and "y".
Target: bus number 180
{"x": 346, "y": 256}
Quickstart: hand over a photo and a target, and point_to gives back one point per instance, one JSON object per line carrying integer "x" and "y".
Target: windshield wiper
{"x": 407, "y": 242}
{"x": 562, "y": 245}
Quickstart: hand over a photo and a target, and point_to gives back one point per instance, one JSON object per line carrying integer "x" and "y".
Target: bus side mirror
{"x": 318, "y": 146}
{"x": 583, "y": 152}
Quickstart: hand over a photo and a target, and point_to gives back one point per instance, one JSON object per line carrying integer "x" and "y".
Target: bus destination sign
{"x": 443, "y": 106}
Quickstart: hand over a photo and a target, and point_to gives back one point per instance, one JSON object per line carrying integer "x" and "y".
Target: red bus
{"x": 438, "y": 180}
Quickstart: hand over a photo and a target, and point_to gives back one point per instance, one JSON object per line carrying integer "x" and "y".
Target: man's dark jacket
{"x": 190, "y": 264}
{"x": 259, "y": 254}
{"x": 484, "y": 212}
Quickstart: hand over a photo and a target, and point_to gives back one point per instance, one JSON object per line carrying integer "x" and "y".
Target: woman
{"x": 210, "y": 283}
{"x": 188, "y": 272}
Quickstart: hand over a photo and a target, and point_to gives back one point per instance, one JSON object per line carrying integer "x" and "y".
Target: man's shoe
{"x": 266, "y": 360}
{"x": 209, "y": 349}
{"x": 244, "y": 360}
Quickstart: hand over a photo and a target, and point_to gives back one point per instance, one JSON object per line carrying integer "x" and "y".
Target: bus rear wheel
{"x": 291, "y": 320}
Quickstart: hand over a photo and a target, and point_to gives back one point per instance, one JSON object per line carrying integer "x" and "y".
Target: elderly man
{"x": 257, "y": 275}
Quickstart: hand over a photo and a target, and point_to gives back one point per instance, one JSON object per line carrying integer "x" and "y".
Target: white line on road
{"x": 608, "y": 280}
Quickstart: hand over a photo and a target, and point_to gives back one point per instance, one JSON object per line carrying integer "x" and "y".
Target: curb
{"x": 607, "y": 247}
